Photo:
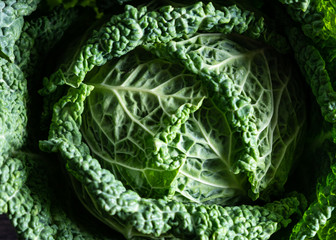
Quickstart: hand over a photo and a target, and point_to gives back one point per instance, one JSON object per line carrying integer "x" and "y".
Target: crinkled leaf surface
{"x": 11, "y": 23}
{"x": 253, "y": 89}
{"x": 147, "y": 121}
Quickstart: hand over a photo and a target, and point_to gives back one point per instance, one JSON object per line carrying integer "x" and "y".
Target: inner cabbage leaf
{"x": 160, "y": 129}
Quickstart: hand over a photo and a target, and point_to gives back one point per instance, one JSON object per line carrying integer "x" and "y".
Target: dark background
{"x": 7, "y": 231}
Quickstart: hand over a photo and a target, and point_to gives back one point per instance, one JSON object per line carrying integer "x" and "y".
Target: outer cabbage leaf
{"x": 11, "y": 15}
{"x": 13, "y": 99}
{"x": 25, "y": 195}
{"x": 313, "y": 66}
{"x": 318, "y": 24}
{"x": 300, "y": 5}
{"x": 328, "y": 231}
{"x": 30, "y": 203}
{"x": 318, "y": 215}
{"x": 39, "y": 36}
{"x": 124, "y": 32}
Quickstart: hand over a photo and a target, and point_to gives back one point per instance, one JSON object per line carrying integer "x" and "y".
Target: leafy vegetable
{"x": 168, "y": 119}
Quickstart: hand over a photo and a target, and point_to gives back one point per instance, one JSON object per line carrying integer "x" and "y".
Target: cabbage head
{"x": 165, "y": 129}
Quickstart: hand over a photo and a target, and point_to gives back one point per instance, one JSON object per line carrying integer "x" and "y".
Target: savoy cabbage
{"x": 182, "y": 120}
